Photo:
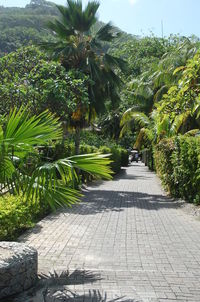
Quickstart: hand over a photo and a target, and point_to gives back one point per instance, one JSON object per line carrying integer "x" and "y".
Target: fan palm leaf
{"x": 48, "y": 182}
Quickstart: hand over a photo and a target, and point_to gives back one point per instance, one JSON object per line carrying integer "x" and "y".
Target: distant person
{"x": 136, "y": 157}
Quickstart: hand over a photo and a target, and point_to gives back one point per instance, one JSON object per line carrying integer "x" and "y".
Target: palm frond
{"x": 196, "y": 109}
{"x": 193, "y": 132}
{"x": 145, "y": 136}
{"x": 125, "y": 129}
{"x": 60, "y": 29}
{"x": 106, "y": 33}
{"x": 179, "y": 121}
{"x": 139, "y": 117}
{"x": 95, "y": 164}
{"x": 22, "y": 130}
{"x": 115, "y": 62}
{"x": 50, "y": 182}
{"x": 7, "y": 168}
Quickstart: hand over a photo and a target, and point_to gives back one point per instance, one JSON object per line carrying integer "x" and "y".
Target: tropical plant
{"x": 76, "y": 46}
{"x": 27, "y": 77}
{"x": 151, "y": 129}
{"x": 181, "y": 103}
{"x": 23, "y": 173}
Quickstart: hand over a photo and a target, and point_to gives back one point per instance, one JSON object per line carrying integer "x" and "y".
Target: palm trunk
{"x": 77, "y": 140}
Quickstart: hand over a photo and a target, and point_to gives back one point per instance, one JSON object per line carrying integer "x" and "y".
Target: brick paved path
{"x": 129, "y": 238}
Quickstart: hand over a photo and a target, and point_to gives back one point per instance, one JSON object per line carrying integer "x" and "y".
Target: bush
{"x": 119, "y": 156}
{"x": 186, "y": 172}
{"x": 148, "y": 158}
{"x": 17, "y": 215}
{"x": 124, "y": 157}
{"x": 177, "y": 163}
{"x": 163, "y": 164}
{"x": 86, "y": 149}
{"x": 116, "y": 158}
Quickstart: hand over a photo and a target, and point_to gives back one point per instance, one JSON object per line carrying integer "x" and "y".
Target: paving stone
{"x": 126, "y": 240}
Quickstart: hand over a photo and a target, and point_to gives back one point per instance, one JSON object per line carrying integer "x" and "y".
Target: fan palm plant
{"x": 76, "y": 46}
{"x": 21, "y": 170}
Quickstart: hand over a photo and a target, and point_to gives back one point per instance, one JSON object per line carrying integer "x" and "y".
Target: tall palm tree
{"x": 76, "y": 46}
{"x": 21, "y": 169}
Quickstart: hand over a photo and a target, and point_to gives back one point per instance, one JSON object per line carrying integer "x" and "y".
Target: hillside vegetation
{"x": 26, "y": 26}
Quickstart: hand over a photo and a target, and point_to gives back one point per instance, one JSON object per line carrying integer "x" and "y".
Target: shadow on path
{"x": 60, "y": 288}
{"x": 97, "y": 201}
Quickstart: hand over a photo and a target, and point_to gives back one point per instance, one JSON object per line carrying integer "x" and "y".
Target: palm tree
{"x": 21, "y": 169}
{"x": 76, "y": 46}
{"x": 153, "y": 128}
{"x": 152, "y": 84}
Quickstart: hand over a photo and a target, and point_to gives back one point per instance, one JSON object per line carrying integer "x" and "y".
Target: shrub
{"x": 17, "y": 215}
{"x": 124, "y": 157}
{"x": 116, "y": 158}
{"x": 186, "y": 163}
{"x": 163, "y": 164}
{"x": 86, "y": 149}
{"x": 119, "y": 156}
{"x": 148, "y": 158}
{"x": 177, "y": 162}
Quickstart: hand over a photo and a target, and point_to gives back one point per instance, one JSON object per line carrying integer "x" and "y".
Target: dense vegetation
{"x": 178, "y": 164}
{"x": 26, "y": 26}
{"x": 38, "y": 164}
{"x": 70, "y": 85}
{"x": 171, "y": 91}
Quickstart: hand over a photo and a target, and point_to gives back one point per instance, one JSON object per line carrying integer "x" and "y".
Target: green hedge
{"x": 177, "y": 162}
{"x": 148, "y": 158}
{"x": 119, "y": 157}
{"x": 124, "y": 157}
{"x": 17, "y": 215}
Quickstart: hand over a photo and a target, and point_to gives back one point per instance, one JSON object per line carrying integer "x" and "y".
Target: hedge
{"x": 119, "y": 155}
{"x": 177, "y": 162}
{"x": 17, "y": 215}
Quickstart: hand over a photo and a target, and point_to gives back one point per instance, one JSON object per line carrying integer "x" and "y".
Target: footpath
{"x": 126, "y": 241}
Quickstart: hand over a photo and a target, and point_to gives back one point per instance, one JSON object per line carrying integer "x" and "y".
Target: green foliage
{"x": 24, "y": 26}
{"x": 140, "y": 52}
{"x": 167, "y": 86}
{"x": 119, "y": 157}
{"x": 181, "y": 103}
{"x": 27, "y": 77}
{"x": 150, "y": 66}
{"x": 93, "y": 139}
{"x": 178, "y": 164}
{"x": 124, "y": 157}
{"x": 17, "y": 215}
{"x": 76, "y": 46}
{"x": 23, "y": 172}
{"x": 164, "y": 167}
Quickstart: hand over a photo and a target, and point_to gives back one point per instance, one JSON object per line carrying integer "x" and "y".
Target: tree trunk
{"x": 77, "y": 140}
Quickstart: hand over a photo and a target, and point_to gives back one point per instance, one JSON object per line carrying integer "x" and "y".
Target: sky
{"x": 143, "y": 17}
